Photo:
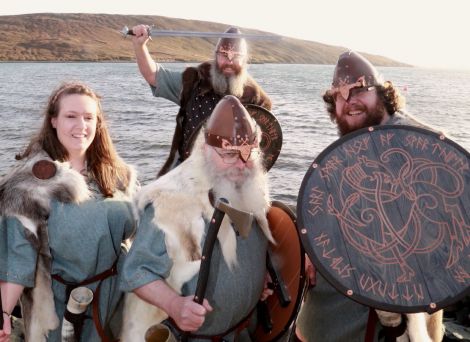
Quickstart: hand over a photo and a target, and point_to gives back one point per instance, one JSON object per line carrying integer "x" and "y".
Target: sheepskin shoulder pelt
{"x": 183, "y": 192}
{"x": 28, "y": 198}
{"x": 420, "y": 326}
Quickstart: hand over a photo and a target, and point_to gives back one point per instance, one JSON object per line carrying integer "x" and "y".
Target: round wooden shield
{"x": 271, "y": 140}
{"x": 271, "y": 134}
{"x": 288, "y": 258}
{"x": 384, "y": 215}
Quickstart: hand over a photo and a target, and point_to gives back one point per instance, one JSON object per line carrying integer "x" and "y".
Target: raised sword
{"x": 153, "y": 32}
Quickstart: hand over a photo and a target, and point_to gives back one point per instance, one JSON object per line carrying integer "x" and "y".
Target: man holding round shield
{"x": 337, "y": 191}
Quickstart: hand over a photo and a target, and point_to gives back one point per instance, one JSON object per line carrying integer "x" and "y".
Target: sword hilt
{"x": 129, "y": 32}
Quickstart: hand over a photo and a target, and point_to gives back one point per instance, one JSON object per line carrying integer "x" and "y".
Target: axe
{"x": 241, "y": 221}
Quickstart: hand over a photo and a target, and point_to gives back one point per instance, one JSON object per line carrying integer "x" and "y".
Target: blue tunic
{"x": 84, "y": 241}
{"x": 232, "y": 294}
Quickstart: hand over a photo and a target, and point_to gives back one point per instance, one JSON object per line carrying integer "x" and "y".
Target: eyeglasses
{"x": 232, "y": 156}
{"x": 230, "y": 55}
{"x": 349, "y": 91}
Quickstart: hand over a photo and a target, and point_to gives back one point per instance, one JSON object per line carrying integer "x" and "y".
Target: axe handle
{"x": 209, "y": 243}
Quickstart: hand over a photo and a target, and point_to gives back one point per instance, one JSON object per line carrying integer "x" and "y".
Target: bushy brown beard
{"x": 228, "y": 85}
{"x": 373, "y": 117}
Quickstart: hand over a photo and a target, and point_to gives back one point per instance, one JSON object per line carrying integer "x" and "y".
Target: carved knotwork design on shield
{"x": 372, "y": 194}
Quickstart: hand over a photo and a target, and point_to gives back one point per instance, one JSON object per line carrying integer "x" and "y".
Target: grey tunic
{"x": 84, "y": 241}
{"x": 232, "y": 293}
{"x": 169, "y": 84}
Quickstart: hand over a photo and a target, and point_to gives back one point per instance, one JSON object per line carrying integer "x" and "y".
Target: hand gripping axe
{"x": 241, "y": 221}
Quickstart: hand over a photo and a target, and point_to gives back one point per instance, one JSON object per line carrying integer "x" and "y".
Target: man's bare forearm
{"x": 157, "y": 293}
{"x": 147, "y": 67}
{"x": 188, "y": 315}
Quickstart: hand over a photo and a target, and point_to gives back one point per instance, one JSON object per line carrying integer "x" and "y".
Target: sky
{"x": 424, "y": 33}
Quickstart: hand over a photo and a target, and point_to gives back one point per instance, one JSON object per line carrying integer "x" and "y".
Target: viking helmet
{"x": 232, "y": 44}
{"x": 353, "y": 67}
{"x": 231, "y": 127}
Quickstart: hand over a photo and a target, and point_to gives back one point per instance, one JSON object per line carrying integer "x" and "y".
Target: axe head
{"x": 241, "y": 220}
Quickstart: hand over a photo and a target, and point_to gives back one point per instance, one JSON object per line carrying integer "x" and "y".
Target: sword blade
{"x": 172, "y": 33}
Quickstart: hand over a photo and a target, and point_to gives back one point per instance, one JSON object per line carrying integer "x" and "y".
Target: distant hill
{"x": 96, "y": 37}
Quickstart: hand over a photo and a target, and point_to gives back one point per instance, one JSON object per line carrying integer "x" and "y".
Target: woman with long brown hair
{"x": 65, "y": 214}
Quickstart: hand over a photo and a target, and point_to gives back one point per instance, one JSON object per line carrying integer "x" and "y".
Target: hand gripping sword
{"x": 152, "y": 32}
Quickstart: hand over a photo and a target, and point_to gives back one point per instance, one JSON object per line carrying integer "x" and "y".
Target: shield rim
{"x": 302, "y": 278}
{"x": 313, "y": 257}
{"x": 274, "y": 120}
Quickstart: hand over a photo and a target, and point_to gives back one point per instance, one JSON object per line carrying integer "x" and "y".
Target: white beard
{"x": 249, "y": 194}
{"x": 228, "y": 85}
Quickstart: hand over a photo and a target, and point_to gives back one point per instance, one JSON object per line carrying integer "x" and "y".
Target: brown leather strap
{"x": 101, "y": 276}
{"x": 96, "y": 314}
{"x": 371, "y": 323}
{"x": 96, "y": 296}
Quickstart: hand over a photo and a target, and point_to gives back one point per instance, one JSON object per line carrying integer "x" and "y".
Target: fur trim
{"x": 133, "y": 328}
{"x": 17, "y": 198}
{"x": 32, "y": 209}
{"x": 421, "y": 327}
{"x": 134, "y": 184}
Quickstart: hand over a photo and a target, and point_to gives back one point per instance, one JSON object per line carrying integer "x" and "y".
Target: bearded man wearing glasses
{"x": 198, "y": 89}
{"x": 360, "y": 98}
{"x": 175, "y": 218}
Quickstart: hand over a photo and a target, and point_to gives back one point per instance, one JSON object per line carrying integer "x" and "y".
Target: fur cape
{"x": 28, "y": 198}
{"x": 181, "y": 203}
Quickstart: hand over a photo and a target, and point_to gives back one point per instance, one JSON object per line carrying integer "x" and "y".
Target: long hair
{"x": 105, "y": 167}
{"x": 388, "y": 94}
